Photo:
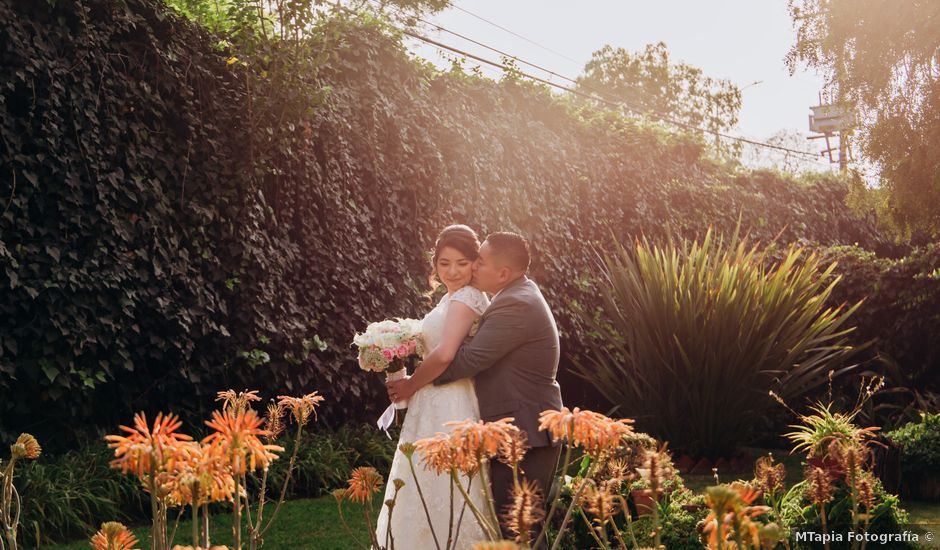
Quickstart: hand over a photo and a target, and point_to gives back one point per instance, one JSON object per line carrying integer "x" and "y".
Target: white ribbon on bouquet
{"x": 388, "y": 417}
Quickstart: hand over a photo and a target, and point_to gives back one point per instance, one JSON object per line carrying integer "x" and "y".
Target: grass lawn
{"x": 303, "y": 523}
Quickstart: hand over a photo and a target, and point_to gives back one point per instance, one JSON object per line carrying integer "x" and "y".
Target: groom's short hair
{"x": 511, "y": 248}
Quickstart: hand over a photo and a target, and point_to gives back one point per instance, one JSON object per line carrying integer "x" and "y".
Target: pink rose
{"x": 389, "y": 355}
{"x": 403, "y": 350}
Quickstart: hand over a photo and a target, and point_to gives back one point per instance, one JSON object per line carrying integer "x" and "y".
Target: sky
{"x": 744, "y": 41}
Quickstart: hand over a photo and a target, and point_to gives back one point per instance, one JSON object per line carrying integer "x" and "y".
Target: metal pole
{"x": 843, "y": 156}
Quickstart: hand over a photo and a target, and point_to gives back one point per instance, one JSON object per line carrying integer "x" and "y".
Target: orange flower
{"x": 865, "y": 486}
{"x": 146, "y": 451}
{"x": 466, "y": 446}
{"x": 113, "y": 536}
{"x": 599, "y": 501}
{"x": 617, "y": 469}
{"x": 524, "y": 511}
{"x": 512, "y": 450}
{"x": 769, "y": 476}
{"x": 25, "y": 446}
{"x": 274, "y": 420}
{"x": 365, "y": 481}
{"x": 589, "y": 430}
{"x": 301, "y": 407}
{"x": 237, "y": 437}
{"x": 201, "y": 477}
{"x": 850, "y": 456}
{"x": 239, "y": 401}
{"x": 820, "y": 486}
{"x": 731, "y": 506}
{"x": 482, "y": 438}
{"x": 438, "y": 455}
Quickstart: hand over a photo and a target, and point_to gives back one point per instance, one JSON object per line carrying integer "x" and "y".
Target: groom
{"x": 513, "y": 359}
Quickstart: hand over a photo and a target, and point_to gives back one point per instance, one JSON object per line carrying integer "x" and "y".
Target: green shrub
{"x": 920, "y": 456}
{"x": 800, "y": 515}
{"x": 679, "y": 526}
{"x": 693, "y": 335}
{"x": 901, "y": 317}
{"x": 68, "y": 496}
{"x": 233, "y": 238}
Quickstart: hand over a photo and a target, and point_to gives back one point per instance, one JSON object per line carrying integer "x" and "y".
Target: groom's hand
{"x": 400, "y": 389}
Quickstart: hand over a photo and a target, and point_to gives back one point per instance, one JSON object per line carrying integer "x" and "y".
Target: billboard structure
{"x": 830, "y": 120}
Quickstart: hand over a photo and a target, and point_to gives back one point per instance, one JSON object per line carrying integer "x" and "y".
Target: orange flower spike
{"x": 770, "y": 476}
{"x": 524, "y": 510}
{"x": 113, "y": 536}
{"x": 365, "y": 481}
{"x": 558, "y": 423}
{"x": 513, "y": 450}
{"x": 587, "y": 429}
{"x": 26, "y": 446}
{"x": 239, "y": 401}
{"x": 237, "y": 435}
{"x": 301, "y": 407}
{"x": 437, "y": 453}
{"x": 133, "y": 452}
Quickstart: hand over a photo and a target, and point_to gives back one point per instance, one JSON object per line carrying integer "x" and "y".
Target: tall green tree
{"x": 882, "y": 58}
{"x": 275, "y": 16}
{"x": 650, "y": 83}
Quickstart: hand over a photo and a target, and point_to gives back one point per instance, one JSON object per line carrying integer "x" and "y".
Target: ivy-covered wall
{"x": 175, "y": 223}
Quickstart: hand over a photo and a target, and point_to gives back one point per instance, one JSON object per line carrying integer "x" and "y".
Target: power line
{"x": 481, "y": 44}
{"x": 534, "y": 43}
{"x": 600, "y": 99}
{"x": 618, "y": 103}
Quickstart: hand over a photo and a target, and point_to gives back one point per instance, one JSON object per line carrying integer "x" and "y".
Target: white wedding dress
{"x": 428, "y": 410}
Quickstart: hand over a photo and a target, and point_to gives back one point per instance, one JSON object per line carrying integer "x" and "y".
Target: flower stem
{"x": 287, "y": 477}
{"x": 352, "y": 535}
{"x": 195, "y": 507}
{"x": 450, "y": 524}
{"x": 574, "y": 502}
{"x": 551, "y": 511}
{"x": 591, "y": 530}
{"x": 424, "y": 504}
{"x": 484, "y": 523}
{"x": 205, "y": 525}
{"x": 487, "y": 490}
{"x": 237, "y": 512}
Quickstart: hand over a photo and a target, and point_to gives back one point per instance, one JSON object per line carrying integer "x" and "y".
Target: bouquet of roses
{"x": 389, "y": 346}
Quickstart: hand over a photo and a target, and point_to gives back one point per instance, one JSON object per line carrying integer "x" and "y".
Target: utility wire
{"x": 603, "y": 100}
{"x": 619, "y": 104}
{"x": 534, "y": 43}
{"x": 481, "y": 44}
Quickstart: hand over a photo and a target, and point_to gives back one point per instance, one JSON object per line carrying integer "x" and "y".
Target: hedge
{"x": 175, "y": 222}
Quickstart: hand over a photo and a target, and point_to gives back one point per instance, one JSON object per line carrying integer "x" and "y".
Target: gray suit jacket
{"x": 513, "y": 359}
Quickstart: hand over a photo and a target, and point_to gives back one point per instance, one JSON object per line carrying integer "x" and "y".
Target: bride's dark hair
{"x": 459, "y": 237}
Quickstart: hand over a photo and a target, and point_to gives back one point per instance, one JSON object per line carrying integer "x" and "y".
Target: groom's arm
{"x": 503, "y": 330}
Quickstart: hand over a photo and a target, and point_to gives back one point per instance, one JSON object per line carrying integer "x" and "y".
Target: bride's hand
{"x": 400, "y": 389}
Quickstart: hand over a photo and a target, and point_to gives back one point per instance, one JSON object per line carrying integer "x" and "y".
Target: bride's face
{"x": 453, "y": 268}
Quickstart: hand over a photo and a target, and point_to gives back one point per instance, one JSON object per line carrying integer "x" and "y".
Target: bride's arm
{"x": 457, "y": 325}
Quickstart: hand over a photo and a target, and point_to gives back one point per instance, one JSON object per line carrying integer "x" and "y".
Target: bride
{"x": 445, "y": 327}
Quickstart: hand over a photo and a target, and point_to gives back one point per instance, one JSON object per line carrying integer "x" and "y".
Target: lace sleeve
{"x": 473, "y": 298}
